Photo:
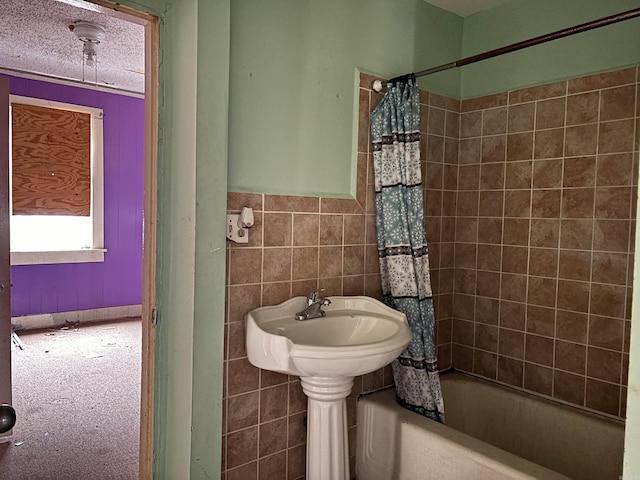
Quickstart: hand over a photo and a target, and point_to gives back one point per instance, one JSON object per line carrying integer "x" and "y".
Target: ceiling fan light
{"x": 88, "y": 32}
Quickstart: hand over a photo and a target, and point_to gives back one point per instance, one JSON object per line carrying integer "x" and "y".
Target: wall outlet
{"x": 235, "y": 233}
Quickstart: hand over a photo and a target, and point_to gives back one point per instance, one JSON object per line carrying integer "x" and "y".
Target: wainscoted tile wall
{"x": 547, "y": 185}
{"x": 297, "y": 244}
{"x": 302, "y": 243}
{"x": 530, "y": 218}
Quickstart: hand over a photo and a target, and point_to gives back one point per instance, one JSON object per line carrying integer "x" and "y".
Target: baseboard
{"x": 59, "y": 319}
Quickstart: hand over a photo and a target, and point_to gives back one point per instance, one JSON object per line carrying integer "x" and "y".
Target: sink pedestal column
{"x": 327, "y": 442}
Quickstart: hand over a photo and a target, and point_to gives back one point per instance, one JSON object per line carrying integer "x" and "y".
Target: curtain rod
{"x": 378, "y": 85}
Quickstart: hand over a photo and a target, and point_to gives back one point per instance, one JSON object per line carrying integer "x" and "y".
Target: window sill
{"x": 89, "y": 255}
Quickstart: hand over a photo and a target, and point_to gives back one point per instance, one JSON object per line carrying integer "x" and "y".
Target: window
{"x": 56, "y": 182}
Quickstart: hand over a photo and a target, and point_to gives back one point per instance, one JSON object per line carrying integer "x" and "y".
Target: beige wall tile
{"x": 602, "y": 396}
{"x": 538, "y": 378}
{"x": 602, "y": 80}
{"x": 539, "y": 350}
{"x": 615, "y": 169}
{"x": 520, "y": 118}
{"x": 580, "y": 172}
{"x": 485, "y": 364}
{"x": 581, "y": 140}
{"x": 482, "y": 103}
{"x": 518, "y": 175}
{"x": 571, "y": 326}
{"x": 540, "y": 92}
{"x": 606, "y": 332}
{"x": 615, "y": 104}
{"x": 276, "y": 264}
{"x": 510, "y": 371}
{"x": 277, "y": 229}
{"x": 550, "y": 113}
{"x": 519, "y": 146}
{"x": 568, "y": 387}
{"x": 494, "y": 121}
{"x": 273, "y": 467}
{"x": 541, "y": 320}
{"x": 616, "y": 136}
{"x": 583, "y": 108}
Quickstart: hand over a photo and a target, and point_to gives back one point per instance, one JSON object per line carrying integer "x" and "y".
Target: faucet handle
{"x": 313, "y": 296}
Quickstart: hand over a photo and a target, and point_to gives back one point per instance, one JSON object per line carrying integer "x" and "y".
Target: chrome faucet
{"x": 314, "y": 306}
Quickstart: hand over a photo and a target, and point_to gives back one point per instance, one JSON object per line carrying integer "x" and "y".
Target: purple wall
{"x": 117, "y": 281}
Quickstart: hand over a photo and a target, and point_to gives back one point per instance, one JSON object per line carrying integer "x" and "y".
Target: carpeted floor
{"x": 76, "y": 392}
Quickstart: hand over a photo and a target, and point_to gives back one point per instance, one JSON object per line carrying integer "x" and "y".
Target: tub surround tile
{"x": 571, "y": 326}
{"x": 485, "y": 364}
{"x": 581, "y": 172}
{"x": 570, "y": 357}
{"x": 556, "y": 217}
{"x": 494, "y": 121}
{"x": 615, "y": 169}
{"x": 602, "y": 396}
{"x": 538, "y": 378}
{"x": 602, "y": 80}
{"x": 519, "y": 175}
{"x": 512, "y": 315}
{"x": 550, "y": 113}
{"x": 541, "y": 320}
{"x": 615, "y": 104}
{"x": 481, "y": 103}
{"x": 520, "y": 118}
{"x": 540, "y": 92}
{"x": 604, "y": 364}
{"x": 519, "y": 146}
{"x": 569, "y": 387}
{"x": 582, "y": 108}
{"x": 511, "y": 343}
{"x": 581, "y": 140}
{"x": 510, "y": 371}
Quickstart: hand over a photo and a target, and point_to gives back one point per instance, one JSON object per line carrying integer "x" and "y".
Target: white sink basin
{"x": 357, "y": 336}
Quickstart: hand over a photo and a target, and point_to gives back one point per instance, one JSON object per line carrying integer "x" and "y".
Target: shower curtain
{"x": 402, "y": 244}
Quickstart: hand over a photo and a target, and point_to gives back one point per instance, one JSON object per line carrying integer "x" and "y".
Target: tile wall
{"x": 530, "y": 218}
{"x": 301, "y": 243}
{"x": 547, "y": 185}
{"x": 296, "y": 245}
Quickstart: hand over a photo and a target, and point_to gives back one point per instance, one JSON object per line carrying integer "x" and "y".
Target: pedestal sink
{"x": 358, "y": 335}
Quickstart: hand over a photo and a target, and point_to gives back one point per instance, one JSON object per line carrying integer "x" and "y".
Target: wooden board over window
{"x": 51, "y": 158}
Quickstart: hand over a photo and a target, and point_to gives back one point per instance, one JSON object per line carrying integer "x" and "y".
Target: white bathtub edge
{"x": 450, "y": 455}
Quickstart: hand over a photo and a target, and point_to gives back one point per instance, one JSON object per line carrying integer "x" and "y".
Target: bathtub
{"x": 491, "y": 432}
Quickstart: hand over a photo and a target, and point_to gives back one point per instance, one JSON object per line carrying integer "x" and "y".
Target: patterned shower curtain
{"x": 402, "y": 244}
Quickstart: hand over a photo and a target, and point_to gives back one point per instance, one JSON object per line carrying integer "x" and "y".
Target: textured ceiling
{"x": 35, "y": 38}
{"x": 465, "y": 8}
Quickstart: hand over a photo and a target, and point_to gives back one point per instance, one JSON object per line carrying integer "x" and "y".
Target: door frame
{"x": 5, "y": 262}
{"x": 151, "y": 25}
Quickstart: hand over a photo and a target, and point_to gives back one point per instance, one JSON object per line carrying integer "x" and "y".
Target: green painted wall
{"x": 194, "y": 52}
{"x": 631, "y": 469}
{"x": 293, "y": 78}
{"x": 608, "y": 48}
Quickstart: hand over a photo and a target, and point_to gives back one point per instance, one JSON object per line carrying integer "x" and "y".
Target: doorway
{"x": 148, "y": 289}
